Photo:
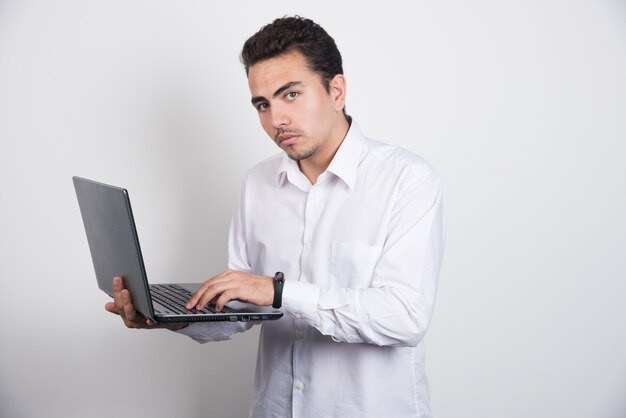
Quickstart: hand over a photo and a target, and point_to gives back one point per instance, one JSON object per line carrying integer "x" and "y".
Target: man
{"x": 355, "y": 225}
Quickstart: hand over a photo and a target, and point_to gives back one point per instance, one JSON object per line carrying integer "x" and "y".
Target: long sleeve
{"x": 396, "y": 309}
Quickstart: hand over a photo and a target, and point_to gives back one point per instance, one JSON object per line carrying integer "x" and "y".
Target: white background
{"x": 521, "y": 105}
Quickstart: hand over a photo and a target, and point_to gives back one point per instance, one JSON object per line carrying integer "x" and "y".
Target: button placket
{"x": 312, "y": 214}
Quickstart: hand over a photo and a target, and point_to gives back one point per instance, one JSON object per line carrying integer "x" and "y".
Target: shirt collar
{"x": 344, "y": 164}
{"x": 346, "y": 161}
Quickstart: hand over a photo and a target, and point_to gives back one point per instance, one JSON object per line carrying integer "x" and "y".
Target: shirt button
{"x": 297, "y": 315}
{"x": 309, "y": 238}
{"x": 300, "y": 386}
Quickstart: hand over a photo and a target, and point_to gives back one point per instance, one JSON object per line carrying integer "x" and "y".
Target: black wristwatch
{"x": 279, "y": 281}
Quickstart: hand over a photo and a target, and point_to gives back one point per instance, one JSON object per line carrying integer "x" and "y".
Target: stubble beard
{"x": 303, "y": 154}
{"x": 292, "y": 152}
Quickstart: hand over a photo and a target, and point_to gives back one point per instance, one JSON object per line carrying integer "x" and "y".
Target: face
{"x": 295, "y": 109}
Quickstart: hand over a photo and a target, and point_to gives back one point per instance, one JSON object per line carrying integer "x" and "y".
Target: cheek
{"x": 311, "y": 116}
{"x": 266, "y": 124}
{"x": 321, "y": 107}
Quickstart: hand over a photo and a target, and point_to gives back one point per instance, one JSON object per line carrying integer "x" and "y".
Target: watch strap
{"x": 279, "y": 281}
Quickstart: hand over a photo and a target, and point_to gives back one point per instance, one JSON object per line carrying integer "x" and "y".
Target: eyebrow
{"x": 278, "y": 91}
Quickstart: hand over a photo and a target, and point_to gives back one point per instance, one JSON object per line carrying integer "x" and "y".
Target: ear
{"x": 337, "y": 87}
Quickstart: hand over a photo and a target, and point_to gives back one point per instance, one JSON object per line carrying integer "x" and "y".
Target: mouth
{"x": 286, "y": 138}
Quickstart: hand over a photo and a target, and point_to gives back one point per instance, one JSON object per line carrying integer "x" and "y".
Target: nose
{"x": 279, "y": 116}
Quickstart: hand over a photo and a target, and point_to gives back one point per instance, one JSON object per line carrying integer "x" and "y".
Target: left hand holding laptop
{"x": 122, "y": 305}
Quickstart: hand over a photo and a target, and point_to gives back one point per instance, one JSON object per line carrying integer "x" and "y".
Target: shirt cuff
{"x": 300, "y": 300}
{"x": 204, "y": 332}
{"x": 190, "y": 330}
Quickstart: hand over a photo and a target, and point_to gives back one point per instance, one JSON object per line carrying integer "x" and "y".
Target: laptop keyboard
{"x": 174, "y": 297}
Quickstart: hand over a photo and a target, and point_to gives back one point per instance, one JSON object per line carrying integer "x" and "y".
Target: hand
{"x": 122, "y": 305}
{"x": 233, "y": 285}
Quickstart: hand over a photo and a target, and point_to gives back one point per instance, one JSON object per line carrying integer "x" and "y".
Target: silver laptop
{"x": 115, "y": 251}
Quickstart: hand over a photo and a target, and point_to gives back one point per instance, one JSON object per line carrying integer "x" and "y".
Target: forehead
{"x": 266, "y": 76}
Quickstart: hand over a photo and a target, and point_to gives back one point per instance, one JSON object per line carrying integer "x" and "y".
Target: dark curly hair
{"x": 287, "y": 34}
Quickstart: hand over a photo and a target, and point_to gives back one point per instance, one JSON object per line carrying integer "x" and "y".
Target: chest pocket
{"x": 352, "y": 264}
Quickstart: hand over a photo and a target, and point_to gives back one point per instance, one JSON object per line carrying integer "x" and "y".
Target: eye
{"x": 262, "y": 107}
{"x": 291, "y": 95}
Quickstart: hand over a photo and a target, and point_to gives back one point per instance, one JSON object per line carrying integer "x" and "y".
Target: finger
{"x": 118, "y": 286}
{"x": 224, "y": 298}
{"x": 129, "y": 309}
{"x": 193, "y": 300}
{"x": 216, "y": 291}
{"x": 200, "y": 292}
{"x": 206, "y": 297}
{"x": 110, "y": 306}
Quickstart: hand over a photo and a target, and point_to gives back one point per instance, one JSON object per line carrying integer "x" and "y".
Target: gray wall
{"x": 520, "y": 105}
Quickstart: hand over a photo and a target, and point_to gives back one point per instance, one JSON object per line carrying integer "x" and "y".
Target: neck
{"x": 316, "y": 164}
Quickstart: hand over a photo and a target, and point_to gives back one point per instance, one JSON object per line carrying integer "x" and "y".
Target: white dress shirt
{"x": 361, "y": 251}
